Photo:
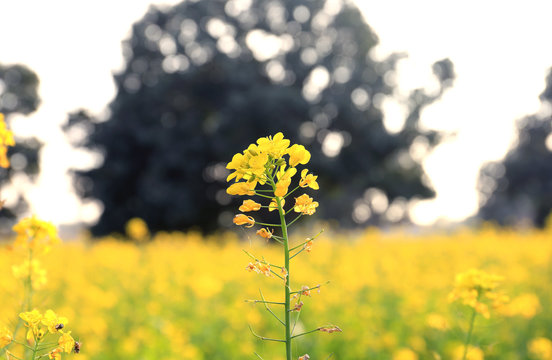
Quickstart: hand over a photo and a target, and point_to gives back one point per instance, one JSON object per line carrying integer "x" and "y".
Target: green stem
{"x": 468, "y": 338}
{"x": 287, "y": 319}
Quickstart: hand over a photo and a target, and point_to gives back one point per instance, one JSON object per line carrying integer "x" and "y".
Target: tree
{"x": 18, "y": 94}
{"x": 205, "y": 77}
{"x": 518, "y": 189}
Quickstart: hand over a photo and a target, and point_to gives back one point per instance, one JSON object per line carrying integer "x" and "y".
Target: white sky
{"x": 499, "y": 50}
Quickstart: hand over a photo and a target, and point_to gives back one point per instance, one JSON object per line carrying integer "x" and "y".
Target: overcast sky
{"x": 499, "y": 51}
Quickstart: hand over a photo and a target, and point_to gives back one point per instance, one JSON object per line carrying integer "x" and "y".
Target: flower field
{"x": 181, "y": 296}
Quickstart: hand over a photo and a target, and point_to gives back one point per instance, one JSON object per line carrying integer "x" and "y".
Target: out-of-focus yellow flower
{"x": 304, "y": 357}
{"x": 474, "y": 353}
{"x": 249, "y": 205}
{"x": 242, "y": 219}
{"x": 54, "y": 322}
{"x": 6, "y": 336}
{"x": 36, "y": 234}
{"x": 308, "y": 246}
{"x": 55, "y": 354}
{"x": 305, "y": 205}
{"x": 32, "y": 268}
{"x": 405, "y": 354}
{"x": 298, "y": 155}
{"x": 265, "y": 233}
{"x": 308, "y": 180}
{"x": 525, "y": 305}
{"x": 474, "y": 286}
{"x": 137, "y": 229}
{"x": 540, "y": 348}
{"x": 242, "y": 188}
{"x": 437, "y": 321}
{"x": 330, "y": 329}
{"x": 66, "y": 341}
{"x": 6, "y": 139}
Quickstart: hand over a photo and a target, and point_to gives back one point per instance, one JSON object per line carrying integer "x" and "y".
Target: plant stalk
{"x": 468, "y": 337}
{"x": 287, "y": 319}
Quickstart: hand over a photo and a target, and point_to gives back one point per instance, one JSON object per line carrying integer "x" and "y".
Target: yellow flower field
{"x": 181, "y": 296}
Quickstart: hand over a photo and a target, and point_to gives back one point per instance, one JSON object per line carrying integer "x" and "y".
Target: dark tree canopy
{"x": 518, "y": 189}
{"x": 205, "y": 78}
{"x": 18, "y": 94}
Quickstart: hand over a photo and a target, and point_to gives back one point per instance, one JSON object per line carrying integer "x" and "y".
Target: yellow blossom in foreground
{"x": 405, "y": 354}
{"x": 308, "y": 180}
{"x": 305, "y": 205}
{"x": 249, "y": 205}
{"x": 275, "y": 146}
{"x": 437, "y": 322}
{"x": 36, "y": 234}
{"x": 66, "y": 341}
{"x": 242, "y": 188}
{"x": 259, "y": 268}
{"x": 284, "y": 180}
{"x": 32, "y": 319}
{"x": 6, "y": 139}
{"x": 6, "y": 336}
{"x": 54, "y": 322}
{"x": 137, "y": 229}
{"x": 298, "y": 155}
{"x": 242, "y": 219}
{"x": 540, "y": 348}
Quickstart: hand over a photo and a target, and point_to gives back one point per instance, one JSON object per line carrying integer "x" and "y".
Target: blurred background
{"x": 429, "y": 125}
{"x": 132, "y": 109}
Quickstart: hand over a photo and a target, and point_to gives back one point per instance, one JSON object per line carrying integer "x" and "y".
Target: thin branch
{"x": 263, "y": 261}
{"x": 306, "y": 333}
{"x": 254, "y": 301}
{"x": 259, "y": 356}
{"x": 270, "y": 311}
{"x": 297, "y": 253}
{"x": 306, "y": 241}
{"x": 290, "y": 192}
{"x": 312, "y": 288}
{"x": 264, "y": 338}
{"x": 294, "y": 220}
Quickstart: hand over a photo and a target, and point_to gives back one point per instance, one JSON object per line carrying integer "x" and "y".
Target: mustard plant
{"x": 477, "y": 289}
{"x": 34, "y": 238}
{"x": 266, "y": 170}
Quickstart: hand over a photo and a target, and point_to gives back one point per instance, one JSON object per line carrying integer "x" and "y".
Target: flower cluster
{"x": 475, "y": 287}
{"x": 266, "y": 169}
{"x": 35, "y": 234}
{"x": 271, "y": 161}
{"x": 6, "y": 139}
{"x": 40, "y": 325}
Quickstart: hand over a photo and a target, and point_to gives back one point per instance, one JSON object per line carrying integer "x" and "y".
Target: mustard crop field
{"x": 182, "y": 296}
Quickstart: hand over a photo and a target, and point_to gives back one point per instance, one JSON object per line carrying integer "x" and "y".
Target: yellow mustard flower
{"x": 473, "y": 287}
{"x": 36, "y": 234}
{"x": 32, "y": 319}
{"x": 53, "y": 322}
{"x": 275, "y": 146}
{"x": 66, "y": 341}
{"x": 242, "y": 188}
{"x": 137, "y": 229}
{"x": 298, "y": 155}
{"x": 6, "y": 139}
{"x": 305, "y": 205}
{"x": 540, "y": 348}
{"x": 274, "y": 204}
{"x": 259, "y": 268}
{"x": 330, "y": 329}
{"x": 55, "y": 354}
{"x": 249, "y": 205}
{"x": 284, "y": 180}
{"x": 238, "y": 163}
{"x": 524, "y": 305}
{"x": 308, "y": 180}
{"x": 304, "y": 357}
{"x": 6, "y": 336}
{"x": 437, "y": 322}
{"x": 242, "y": 219}
{"x": 265, "y": 233}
